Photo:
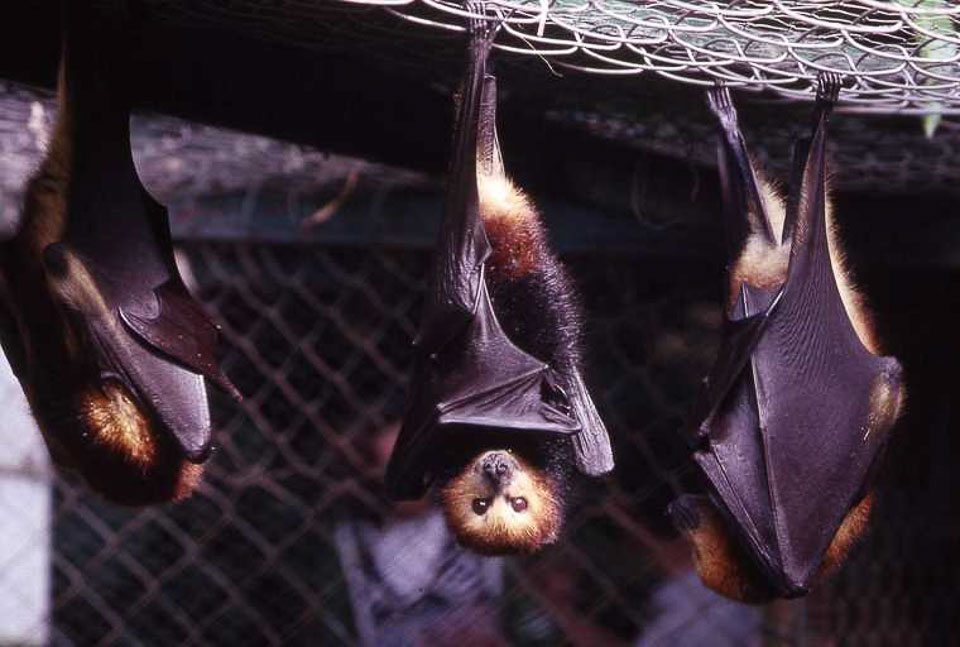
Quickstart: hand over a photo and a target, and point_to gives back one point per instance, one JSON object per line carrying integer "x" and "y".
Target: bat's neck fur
{"x": 764, "y": 265}
{"x": 530, "y": 288}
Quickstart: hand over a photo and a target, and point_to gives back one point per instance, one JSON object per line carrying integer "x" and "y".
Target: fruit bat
{"x": 109, "y": 347}
{"x": 498, "y": 417}
{"x": 795, "y": 413}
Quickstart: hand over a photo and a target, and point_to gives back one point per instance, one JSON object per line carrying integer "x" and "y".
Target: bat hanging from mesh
{"x": 498, "y": 411}
{"x": 800, "y": 402}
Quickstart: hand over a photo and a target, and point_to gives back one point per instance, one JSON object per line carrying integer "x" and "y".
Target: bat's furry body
{"x": 536, "y": 306}
{"x": 792, "y": 374}
{"x": 90, "y": 424}
{"x": 499, "y": 418}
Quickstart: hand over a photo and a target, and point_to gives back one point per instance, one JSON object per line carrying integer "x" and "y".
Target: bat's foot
{"x": 478, "y": 26}
{"x": 721, "y": 105}
{"x": 828, "y": 87}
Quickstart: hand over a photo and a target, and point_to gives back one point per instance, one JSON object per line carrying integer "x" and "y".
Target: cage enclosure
{"x": 301, "y": 150}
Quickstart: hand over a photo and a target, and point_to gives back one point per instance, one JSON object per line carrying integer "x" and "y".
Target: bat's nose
{"x": 498, "y": 468}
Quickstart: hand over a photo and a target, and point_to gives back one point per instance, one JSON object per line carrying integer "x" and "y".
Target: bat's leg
{"x": 752, "y": 204}
{"x": 720, "y": 562}
{"x": 853, "y": 301}
{"x": 753, "y": 208}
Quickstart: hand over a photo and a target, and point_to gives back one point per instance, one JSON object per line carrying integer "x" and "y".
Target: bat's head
{"x": 130, "y": 419}
{"x": 727, "y": 567}
{"x": 500, "y": 503}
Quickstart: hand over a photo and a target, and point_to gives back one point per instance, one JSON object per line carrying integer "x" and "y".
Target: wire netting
{"x": 319, "y": 345}
{"x": 898, "y": 55}
{"x": 289, "y": 539}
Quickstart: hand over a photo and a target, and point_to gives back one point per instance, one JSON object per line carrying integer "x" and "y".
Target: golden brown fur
{"x": 724, "y": 567}
{"x": 501, "y": 529}
{"x": 90, "y": 425}
{"x": 512, "y": 225}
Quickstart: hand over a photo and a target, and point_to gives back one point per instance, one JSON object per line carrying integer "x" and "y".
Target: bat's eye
{"x": 480, "y": 506}
{"x": 518, "y": 504}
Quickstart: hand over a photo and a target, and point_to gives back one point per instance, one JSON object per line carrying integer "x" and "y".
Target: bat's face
{"x": 498, "y": 503}
{"x": 76, "y": 364}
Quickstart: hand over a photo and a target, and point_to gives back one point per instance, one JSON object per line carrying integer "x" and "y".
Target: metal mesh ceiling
{"x": 652, "y": 57}
{"x": 897, "y": 55}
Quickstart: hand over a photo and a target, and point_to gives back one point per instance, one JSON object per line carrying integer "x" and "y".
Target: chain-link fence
{"x": 289, "y": 541}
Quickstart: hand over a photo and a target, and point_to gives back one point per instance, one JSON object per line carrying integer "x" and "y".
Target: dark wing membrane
{"x": 463, "y": 244}
{"x": 591, "y": 447}
{"x": 741, "y": 333}
{"x": 478, "y": 382}
{"x": 730, "y": 447}
{"x": 815, "y": 384}
{"x": 182, "y": 331}
{"x": 486, "y": 381}
{"x": 119, "y": 235}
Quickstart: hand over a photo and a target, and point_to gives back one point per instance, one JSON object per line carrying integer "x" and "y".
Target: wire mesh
{"x": 318, "y": 341}
{"x": 897, "y": 56}
{"x": 319, "y": 344}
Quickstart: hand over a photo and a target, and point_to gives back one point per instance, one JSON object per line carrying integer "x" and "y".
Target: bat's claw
{"x": 478, "y": 25}
{"x": 721, "y": 104}
{"x": 828, "y": 87}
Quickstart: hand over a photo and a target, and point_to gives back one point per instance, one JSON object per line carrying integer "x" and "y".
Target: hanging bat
{"x": 499, "y": 419}
{"x": 798, "y": 407}
{"x": 96, "y": 323}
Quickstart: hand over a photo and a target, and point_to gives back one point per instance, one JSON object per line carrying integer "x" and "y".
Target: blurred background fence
{"x": 289, "y": 540}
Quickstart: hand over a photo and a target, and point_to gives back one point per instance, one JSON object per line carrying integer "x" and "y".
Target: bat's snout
{"x": 498, "y": 468}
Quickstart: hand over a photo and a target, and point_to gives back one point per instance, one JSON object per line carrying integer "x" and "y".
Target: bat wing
{"x": 151, "y": 332}
{"x": 469, "y": 376}
{"x": 478, "y": 382}
{"x": 591, "y": 446}
{"x": 790, "y": 445}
